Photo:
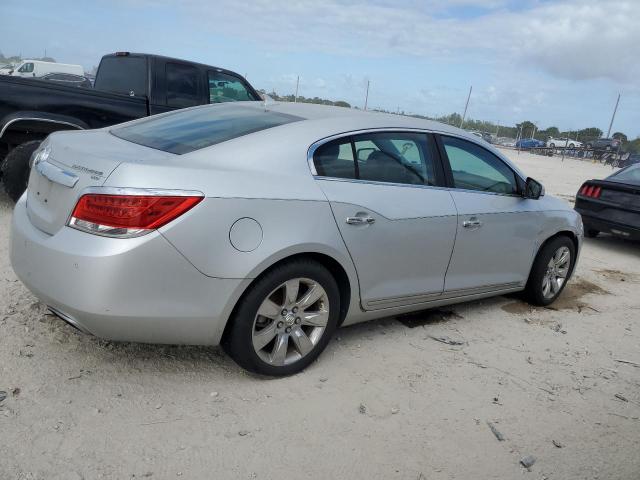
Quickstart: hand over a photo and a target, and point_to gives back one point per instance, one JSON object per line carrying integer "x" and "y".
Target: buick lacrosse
{"x": 264, "y": 227}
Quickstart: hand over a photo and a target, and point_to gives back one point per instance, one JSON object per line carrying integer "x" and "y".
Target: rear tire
{"x": 550, "y": 271}
{"x": 15, "y": 169}
{"x": 278, "y": 328}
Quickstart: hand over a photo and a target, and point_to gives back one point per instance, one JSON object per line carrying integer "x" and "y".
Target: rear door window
{"x": 335, "y": 159}
{"x": 182, "y": 85}
{"x": 122, "y": 74}
{"x": 390, "y": 157}
{"x": 396, "y": 157}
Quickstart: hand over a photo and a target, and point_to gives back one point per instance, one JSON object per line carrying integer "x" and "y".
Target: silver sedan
{"x": 264, "y": 227}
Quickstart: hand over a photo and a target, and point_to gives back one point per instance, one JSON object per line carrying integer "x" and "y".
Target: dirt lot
{"x": 384, "y": 401}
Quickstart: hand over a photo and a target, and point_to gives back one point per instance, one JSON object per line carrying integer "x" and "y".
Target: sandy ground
{"x": 385, "y": 400}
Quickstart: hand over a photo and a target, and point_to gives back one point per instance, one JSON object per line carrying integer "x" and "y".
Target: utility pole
{"x": 297, "y": 85}
{"x": 533, "y": 132}
{"x": 366, "y": 97}
{"x": 465, "y": 106}
{"x": 497, "y": 129}
{"x": 613, "y": 116}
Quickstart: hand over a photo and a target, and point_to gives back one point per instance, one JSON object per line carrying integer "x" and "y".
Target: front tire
{"x": 15, "y": 169}
{"x": 551, "y": 270}
{"x": 285, "y": 320}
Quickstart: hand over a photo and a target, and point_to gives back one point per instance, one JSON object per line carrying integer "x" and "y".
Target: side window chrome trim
{"x": 314, "y": 146}
{"x": 385, "y": 184}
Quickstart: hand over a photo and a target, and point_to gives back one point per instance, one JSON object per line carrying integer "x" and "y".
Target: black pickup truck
{"x": 127, "y": 86}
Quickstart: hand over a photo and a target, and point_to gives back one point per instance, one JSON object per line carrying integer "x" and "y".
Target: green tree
{"x": 620, "y": 136}
{"x": 589, "y": 134}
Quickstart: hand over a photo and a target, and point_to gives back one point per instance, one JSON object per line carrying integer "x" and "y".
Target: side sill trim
{"x": 449, "y": 294}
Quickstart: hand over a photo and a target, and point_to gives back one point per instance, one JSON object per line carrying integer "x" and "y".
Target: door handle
{"x": 360, "y": 220}
{"x": 473, "y": 222}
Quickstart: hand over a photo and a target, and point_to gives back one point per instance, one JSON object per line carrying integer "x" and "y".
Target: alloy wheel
{"x": 290, "y": 321}
{"x": 556, "y": 273}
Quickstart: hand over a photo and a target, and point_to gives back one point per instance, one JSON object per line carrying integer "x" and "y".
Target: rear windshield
{"x": 630, "y": 174}
{"x": 187, "y": 130}
{"x": 126, "y": 75}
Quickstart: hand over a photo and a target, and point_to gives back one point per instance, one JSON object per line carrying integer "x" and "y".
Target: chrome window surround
{"x": 314, "y": 146}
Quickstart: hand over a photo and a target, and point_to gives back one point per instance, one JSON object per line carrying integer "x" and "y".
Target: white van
{"x": 37, "y": 68}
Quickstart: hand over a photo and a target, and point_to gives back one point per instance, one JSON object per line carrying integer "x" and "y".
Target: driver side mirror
{"x": 533, "y": 189}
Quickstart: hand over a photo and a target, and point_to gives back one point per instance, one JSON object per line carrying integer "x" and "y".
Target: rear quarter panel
{"x": 242, "y": 179}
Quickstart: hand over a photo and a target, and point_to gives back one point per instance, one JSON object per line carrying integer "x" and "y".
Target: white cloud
{"x": 569, "y": 39}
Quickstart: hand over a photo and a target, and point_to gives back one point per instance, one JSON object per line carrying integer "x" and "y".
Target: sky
{"x": 557, "y": 63}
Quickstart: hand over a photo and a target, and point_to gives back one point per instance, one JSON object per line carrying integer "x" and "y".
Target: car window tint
{"x": 126, "y": 75}
{"x": 227, "y": 88}
{"x": 26, "y": 68}
{"x": 182, "y": 85}
{"x": 631, "y": 174}
{"x": 335, "y": 159}
{"x": 184, "y": 131}
{"x": 395, "y": 157}
{"x": 475, "y": 168}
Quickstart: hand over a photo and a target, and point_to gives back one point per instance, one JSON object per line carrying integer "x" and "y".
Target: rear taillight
{"x": 591, "y": 191}
{"x": 126, "y": 216}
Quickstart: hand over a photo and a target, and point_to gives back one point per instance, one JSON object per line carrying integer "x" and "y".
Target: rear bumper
{"x": 140, "y": 289}
{"x": 619, "y": 225}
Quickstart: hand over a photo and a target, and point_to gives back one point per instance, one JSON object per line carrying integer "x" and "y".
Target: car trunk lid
{"x": 77, "y": 160}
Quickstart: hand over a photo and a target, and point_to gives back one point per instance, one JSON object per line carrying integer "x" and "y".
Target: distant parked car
{"x": 604, "y": 144}
{"x": 612, "y": 205}
{"x": 483, "y": 135}
{"x": 529, "y": 143}
{"x": 563, "y": 142}
{"x": 68, "y": 79}
{"x": 487, "y": 137}
{"x": 505, "y": 142}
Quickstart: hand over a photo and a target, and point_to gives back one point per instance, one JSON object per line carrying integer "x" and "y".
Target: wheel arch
{"x": 23, "y": 126}
{"x": 335, "y": 267}
{"x": 561, "y": 233}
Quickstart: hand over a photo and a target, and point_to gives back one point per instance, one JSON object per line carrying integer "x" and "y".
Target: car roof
{"x": 318, "y": 122}
{"x": 173, "y": 59}
{"x": 337, "y": 118}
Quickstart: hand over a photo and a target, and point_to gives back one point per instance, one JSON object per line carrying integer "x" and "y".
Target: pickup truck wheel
{"x": 15, "y": 169}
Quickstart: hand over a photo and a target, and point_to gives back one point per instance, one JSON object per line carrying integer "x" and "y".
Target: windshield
{"x": 187, "y": 130}
{"x": 630, "y": 174}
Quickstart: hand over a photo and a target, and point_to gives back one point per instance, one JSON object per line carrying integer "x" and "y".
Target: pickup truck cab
{"x": 127, "y": 86}
{"x": 38, "y": 68}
